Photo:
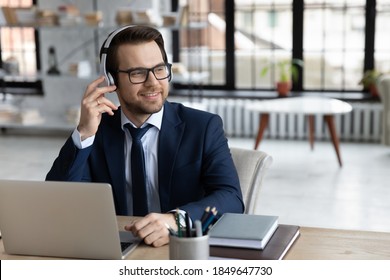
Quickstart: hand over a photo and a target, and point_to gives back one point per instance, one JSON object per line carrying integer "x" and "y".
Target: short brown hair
{"x": 133, "y": 34}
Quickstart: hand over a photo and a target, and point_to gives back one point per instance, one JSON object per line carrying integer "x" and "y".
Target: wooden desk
{"x": 313, "y": 244}
{"x": 309, "y": 106}
{"x": 334, "y": 244}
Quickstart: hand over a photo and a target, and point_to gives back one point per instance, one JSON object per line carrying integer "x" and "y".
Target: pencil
{"x": 209, "y": 220}
{"x": 205, "y": 214}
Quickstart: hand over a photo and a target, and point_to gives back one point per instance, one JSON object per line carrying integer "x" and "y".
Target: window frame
{"x": 229, "y": 89}
{"x": 18, "y": 86}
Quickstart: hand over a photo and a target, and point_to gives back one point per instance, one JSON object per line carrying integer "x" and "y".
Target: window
{"x": 19, "y": 53}
{"x": 202, "y": 48}
{"x": 337, "y": 41}
{"x": 382, "y": 38}
{"x": 262, "y": 38}
{"x": 333, "y": 45}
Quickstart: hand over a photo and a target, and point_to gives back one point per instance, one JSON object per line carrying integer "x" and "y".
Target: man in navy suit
{"x": 187, "y": 159}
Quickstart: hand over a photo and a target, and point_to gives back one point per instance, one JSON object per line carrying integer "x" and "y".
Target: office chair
{"x": 251, "y": 167}
{"x": 384, "y": 93}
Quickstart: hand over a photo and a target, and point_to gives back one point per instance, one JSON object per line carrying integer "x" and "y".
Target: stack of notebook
{"x": 242, "y": 236}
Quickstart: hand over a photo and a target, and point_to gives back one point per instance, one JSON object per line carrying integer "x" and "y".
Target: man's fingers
{"x": 107, "y": 102}
{"x": 93, "y": 90}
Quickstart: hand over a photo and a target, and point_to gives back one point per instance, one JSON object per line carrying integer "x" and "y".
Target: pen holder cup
{"x": 189, "y": 248}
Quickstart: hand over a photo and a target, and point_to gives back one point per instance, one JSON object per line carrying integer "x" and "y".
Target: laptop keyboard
{"x": 125, "y": 245}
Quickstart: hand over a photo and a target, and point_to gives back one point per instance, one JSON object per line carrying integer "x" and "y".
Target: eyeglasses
{"x": 140, "y": 75}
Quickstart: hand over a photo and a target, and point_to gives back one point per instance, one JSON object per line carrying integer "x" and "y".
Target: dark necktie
{"x": 138, "y": 174}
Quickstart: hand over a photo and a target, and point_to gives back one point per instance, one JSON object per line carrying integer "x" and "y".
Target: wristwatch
{"x": 180, "y": 217}
{"x": 182, "y": 220}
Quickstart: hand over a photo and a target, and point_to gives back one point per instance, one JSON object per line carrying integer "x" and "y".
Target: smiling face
{"x": 139, "y": 101}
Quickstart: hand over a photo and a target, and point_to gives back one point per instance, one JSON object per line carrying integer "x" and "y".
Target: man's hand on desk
{"x": 153, "y": 228}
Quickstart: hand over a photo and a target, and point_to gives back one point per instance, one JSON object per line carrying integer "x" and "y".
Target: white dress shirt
{"x": 149, "y": 143}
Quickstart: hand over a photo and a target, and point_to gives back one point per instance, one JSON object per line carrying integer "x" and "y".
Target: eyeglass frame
{"x": 128, "y": 72}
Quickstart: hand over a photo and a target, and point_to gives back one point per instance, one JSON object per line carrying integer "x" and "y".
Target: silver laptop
{"x": 61, "y": 219}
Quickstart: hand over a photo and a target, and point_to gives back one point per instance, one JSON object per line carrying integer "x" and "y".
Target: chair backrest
{"x": 251, "y": 167}
{"x": 384, "y": 93}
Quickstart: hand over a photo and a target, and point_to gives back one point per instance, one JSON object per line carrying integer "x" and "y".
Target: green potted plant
{"x": 288, "y": 70}
{"x": 369, "y": 81}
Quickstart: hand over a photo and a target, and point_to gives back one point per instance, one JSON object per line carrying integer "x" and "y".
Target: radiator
{"x": 363, "y": 124}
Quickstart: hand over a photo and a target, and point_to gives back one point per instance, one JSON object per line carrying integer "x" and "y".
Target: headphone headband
{"x": 109, "y": 80}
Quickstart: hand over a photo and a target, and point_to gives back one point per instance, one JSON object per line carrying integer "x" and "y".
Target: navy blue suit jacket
{"x": 195, "y": 167}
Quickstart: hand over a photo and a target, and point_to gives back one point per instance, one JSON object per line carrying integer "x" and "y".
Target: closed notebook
{"x": 242, "y": 230}
{"x": 277, "y": 247}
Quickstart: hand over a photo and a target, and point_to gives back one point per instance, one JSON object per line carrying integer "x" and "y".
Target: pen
{"x": 171, "y": 231}
{"x": 179, "y": 233}
{"x": 198, "y": 228}
{"x": 188, "y": 228}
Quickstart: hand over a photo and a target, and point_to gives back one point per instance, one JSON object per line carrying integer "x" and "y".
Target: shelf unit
{"x": 65, "y": 91}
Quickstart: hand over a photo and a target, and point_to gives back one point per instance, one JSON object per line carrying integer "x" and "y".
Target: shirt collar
{"x": 154, "y": 119}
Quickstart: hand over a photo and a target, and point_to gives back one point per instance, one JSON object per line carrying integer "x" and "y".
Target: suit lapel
{"x": 171, "y": 133}
{"x": 113, "y": 141}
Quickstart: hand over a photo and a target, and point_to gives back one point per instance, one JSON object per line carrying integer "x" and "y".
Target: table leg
{"x": 310, "y": 119}
{"x": 332, "y": 129}
{"x": 264, "y": 117}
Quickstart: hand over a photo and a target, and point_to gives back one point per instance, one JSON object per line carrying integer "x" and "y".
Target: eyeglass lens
{"x": 140, "y": 75}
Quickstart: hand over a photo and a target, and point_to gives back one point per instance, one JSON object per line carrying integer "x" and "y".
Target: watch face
{"x": 182, "y": 220}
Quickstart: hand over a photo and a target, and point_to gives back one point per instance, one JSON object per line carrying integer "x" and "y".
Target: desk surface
{"x": 313, "y": 244}
{"x": 302, "y": 105}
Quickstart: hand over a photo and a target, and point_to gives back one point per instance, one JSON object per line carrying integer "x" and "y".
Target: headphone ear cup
{"x": 170, "y": 77}
{"x": 110, "y": 79}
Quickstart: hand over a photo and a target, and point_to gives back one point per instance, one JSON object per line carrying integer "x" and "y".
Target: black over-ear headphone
{"x": 109, "y": 80}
